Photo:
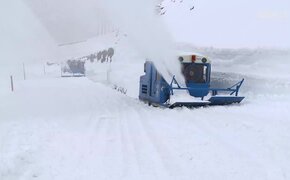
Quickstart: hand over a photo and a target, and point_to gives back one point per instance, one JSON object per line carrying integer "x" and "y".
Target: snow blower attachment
{"x": 155, "y": 91}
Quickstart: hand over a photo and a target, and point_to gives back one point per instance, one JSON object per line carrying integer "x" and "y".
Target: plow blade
{"x": 225, "y": 100}
{"x": 188, "y": 104}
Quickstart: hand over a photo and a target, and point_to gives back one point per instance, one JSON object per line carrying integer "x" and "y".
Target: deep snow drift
{"x": 75, "y": 128}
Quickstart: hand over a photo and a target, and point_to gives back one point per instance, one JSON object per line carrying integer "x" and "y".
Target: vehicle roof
{"x": 189, "y": 54}
{"x": 187, "y": 57}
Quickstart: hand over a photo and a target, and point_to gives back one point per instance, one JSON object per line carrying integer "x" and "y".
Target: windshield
{"x": 194, "y": 73}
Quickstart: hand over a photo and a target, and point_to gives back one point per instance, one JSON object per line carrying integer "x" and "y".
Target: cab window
{"x": 195, "y": 73}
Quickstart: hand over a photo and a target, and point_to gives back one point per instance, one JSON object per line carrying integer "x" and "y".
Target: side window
{"x": 158, "y": 76}
{"x": 205, "y": 73}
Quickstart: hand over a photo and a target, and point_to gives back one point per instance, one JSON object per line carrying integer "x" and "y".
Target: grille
{"x": 144, "y": 89}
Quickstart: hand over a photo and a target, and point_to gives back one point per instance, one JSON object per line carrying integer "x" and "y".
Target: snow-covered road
{"x": 72, "y": 128}
{"x": 54, "y": 128}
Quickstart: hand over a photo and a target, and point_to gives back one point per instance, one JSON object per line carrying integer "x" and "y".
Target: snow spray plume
{"x": 23, "y": 39}
{"x": 146, "y": 32}
{"x": 74, "y": 20}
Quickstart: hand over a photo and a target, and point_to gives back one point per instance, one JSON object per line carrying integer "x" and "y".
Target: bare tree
{"x": 162, "y": 9}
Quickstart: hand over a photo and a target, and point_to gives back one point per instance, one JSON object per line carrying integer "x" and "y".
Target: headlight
{"x": 181, "y": 59}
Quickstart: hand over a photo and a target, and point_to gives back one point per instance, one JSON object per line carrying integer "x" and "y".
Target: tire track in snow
{"x": 169, "y": 159}
{"x": 271, "y": 168}
{"x": 150, "y": 160}
{"x": 119, "y": 153}
{"x": 112, "y": 160}
{"x": 131, "y": 165}
{"x": 220, "y": 142}
{"x": 96, "y": 149}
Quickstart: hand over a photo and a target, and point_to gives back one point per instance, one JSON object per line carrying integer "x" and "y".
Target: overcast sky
{"x": 232, "y": 23}
{"x": 223, "y": 23}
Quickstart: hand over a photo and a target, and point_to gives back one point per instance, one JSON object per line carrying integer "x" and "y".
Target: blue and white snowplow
{"x": 196, "y": 92}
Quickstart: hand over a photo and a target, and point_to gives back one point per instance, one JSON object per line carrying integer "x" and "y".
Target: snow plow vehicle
{"x": 73, "y": 68}
{"x": 197, "y": 91}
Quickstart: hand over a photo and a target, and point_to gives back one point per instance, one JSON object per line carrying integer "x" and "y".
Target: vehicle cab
{"x": 196, "y": 70}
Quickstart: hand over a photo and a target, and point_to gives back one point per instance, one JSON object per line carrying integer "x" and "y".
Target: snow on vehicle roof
{"x": 190, "y": 54}
{"x": 187, "y": 57}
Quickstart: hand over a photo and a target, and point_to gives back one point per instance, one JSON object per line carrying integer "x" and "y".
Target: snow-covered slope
{"x": 75, "y": 128}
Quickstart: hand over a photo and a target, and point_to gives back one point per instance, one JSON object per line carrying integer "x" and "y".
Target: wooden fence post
{"x": 44, "y": 70}
{"x": 24, "y": 73}
{"x": 11, "y": 82}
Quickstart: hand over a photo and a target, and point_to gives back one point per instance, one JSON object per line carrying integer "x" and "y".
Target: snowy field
{"x": 81, "y": 128}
